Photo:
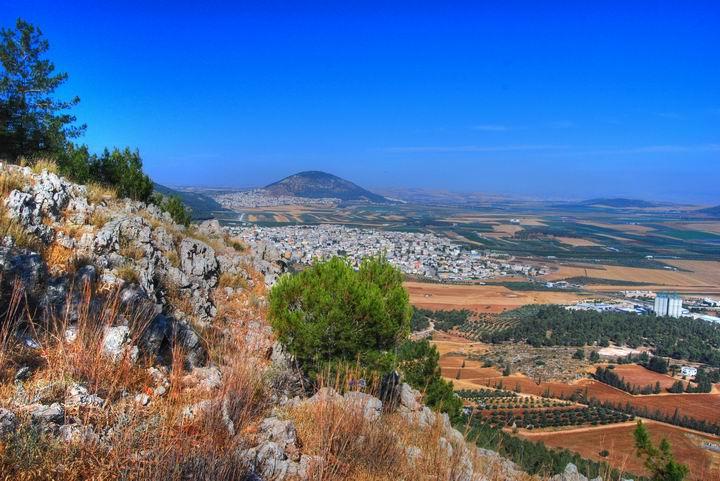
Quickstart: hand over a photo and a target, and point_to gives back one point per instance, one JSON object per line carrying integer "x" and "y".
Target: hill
{"x": 316, "y": 184}
{"x": 619, "y": 203}
{"x": 711, "y": 211}
{"x": 201, "y": 206}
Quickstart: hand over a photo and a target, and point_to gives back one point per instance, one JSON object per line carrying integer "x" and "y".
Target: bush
{"x": 123, "y": 169}
{"x": 177, "y": 210}
{"x": 418, "y": 362}
{"x": 331, "y": 313}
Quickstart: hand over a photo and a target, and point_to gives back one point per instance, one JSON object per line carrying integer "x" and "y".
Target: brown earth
{"x": 618, "y": 440}
{"x": 629, "y": 228}
{"x": 639, "y": 376}
{"x": 699, "y": 406}
{"x": 694, "y": 276}
{"x": 577, "y": 242}
{"x": 481, "y": 298}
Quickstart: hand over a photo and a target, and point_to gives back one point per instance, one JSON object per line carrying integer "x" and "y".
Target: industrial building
{"x": 668, "y": 304}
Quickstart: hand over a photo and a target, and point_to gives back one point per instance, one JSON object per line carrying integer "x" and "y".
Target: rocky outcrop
{"x": 124, "y": 245}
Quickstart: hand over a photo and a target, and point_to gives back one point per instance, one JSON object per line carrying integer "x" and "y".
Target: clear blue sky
{"x": 561, "y": 101}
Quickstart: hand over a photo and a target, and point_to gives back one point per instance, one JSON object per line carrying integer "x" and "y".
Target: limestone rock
{"x": 325, "y": 395}
{"x": 409, "y": 397}
{"x": 115, "y": 341}
{"x": 8, "y": 422}
{"x": 197, "y": 259}
{"x": 44, "y": 415}
{"x": 77, "y": 395}
{"x": 370, "y": 406}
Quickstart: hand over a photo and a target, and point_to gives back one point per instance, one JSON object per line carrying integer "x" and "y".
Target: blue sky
{"x": 554, "y": 101}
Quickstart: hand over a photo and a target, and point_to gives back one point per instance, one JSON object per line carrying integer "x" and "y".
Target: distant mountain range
{"x": 315, "y": 184}
{"x": 711, "y": 211}
{"x": 619, "y": 203}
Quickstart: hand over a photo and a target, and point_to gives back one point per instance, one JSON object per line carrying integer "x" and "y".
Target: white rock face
{"x": 115, "y": 341}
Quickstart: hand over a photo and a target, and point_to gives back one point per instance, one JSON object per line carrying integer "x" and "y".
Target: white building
{"x": 688, "y": 371}
{"x": 667, "y": 304}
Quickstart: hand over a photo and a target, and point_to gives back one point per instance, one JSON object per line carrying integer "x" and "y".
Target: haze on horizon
{"x": 558, "y": 101}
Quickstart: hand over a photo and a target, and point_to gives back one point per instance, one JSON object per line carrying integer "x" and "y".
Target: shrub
{"x": 658, "y": 460}
{"x": 123, "y": 169}
{"x": 331, "y": 313}
{"x": 177, "y": 210}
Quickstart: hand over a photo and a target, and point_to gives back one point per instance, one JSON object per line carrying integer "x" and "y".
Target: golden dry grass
{"x": 332, "y": 430}
{"x": 577, "y": 242}
{"x": 147, "y": 442}
{"x": 10, "y": 180}
{"x": 99, "y": 193}
{"x": 43, "y": 164}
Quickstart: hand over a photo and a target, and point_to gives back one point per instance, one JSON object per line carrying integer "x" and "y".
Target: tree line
{"x": 444, "y": 320}
{"x": 608, "y": 376}
{"x": 550, "y": 325}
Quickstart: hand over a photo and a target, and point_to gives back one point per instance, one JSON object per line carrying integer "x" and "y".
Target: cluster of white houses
{"x": 260, "y": 198}
{"x": 417, "y": 254}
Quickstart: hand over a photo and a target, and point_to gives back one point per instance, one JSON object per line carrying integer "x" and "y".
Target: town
{"x": 259, "y": 198}
{"x": 415, "y": 254}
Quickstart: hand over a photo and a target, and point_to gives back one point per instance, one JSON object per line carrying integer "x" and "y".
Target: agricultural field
{"x": 688, "y": 446}
{"x": 639, "y": 376}
{"x": 685, "y": 276}
{"x": 484, "y": 299}
{"x": 703, "y": 407}
{"x": 543, "y": 418}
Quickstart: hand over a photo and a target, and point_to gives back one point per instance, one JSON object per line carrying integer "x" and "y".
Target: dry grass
{"x": 98, "y": 218}
{"x": 235, "y": 281}
{"x": 59, "y": 258}
{"x": 173, "y": 257}
{"x": 10, "y": 179}
{"x": 12, "y": 228}
{"x": 153, "y": 442}
{"x": 99, "y": 193}
{"x": 42, "y": 164}
{"x": 355, "y": 447}
{"x": 128, "y": 273}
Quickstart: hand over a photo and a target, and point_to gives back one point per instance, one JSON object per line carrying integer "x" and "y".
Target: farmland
{"x": 639, "y": 376}
{"x": 703, "y": 407}
{"x": 481, "y": 298}
{"x": 617, "y": 439}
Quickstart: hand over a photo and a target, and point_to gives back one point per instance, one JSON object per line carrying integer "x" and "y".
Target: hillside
{"x": 130, "y": 339}
{"x": 201, "y": 206}
{"x": 316, "y": 184}
{"x": 618, "y": 203}
{"x": 711, "y": 211}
